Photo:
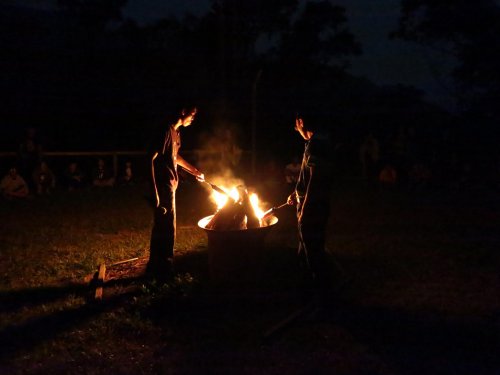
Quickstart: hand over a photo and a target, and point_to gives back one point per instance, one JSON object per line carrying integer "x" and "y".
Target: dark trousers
{"x": 312, "y": 235}
{"x": 163, "y": 232}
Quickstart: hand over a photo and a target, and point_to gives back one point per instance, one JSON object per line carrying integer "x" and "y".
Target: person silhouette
{"x": 164, "y": 162}
{"x": 311, "y": 196}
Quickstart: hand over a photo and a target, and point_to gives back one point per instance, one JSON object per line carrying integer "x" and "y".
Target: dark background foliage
{"x": 91, "y": 79}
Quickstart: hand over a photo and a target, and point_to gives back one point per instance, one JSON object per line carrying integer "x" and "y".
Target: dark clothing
{"x": 29, "y": 156}
{"x": 74, "y": 178}
{"x": 163, "y": 232}
{"x": 101, "y": 174}
{"x": 316, "y": 155}
{"x": 44, "y": 179}
{"x": 165, "y": 163}
{"x": 313, "y": 207}
{"x": 165, "y": 180}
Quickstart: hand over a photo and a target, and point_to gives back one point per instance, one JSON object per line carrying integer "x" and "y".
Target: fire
{"x": 221, "y": 199}
{"x": 254, "y": 200}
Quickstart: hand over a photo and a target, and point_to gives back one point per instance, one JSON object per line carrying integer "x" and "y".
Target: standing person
{"x": 312, "y": 199}
{"x": 164, "y": 162}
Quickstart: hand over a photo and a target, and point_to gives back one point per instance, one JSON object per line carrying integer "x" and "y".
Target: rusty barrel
{"x": 237, "y": 256}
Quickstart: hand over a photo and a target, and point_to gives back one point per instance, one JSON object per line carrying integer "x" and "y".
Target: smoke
{"x": 220, "y": 153}
{"x": 220, "y": 158}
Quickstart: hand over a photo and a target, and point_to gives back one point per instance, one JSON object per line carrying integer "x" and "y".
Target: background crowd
{"x": 33, "y": 174}
{"x": 402, "y": 160}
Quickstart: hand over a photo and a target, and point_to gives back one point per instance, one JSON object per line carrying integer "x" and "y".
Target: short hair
{"x": 178, "y": 109}
{"x": 315, "y": 118}
{"x": 188, "y": 110}
{"x": 181, "y": 102}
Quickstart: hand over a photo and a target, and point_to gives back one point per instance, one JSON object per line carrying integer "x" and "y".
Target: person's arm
{"x": 190, "y": 168}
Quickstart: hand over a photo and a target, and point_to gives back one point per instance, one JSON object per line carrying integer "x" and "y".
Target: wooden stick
{"x": 216, "y": 188}
{"x": 282, "y": 324}
{"x": 122, "y": 262}
{"x": 273, "y": 210}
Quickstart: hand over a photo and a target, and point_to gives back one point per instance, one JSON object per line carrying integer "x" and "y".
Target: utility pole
{"x": 254, "y": 120}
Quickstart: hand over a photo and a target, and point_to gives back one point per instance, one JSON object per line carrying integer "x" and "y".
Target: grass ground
{"x": 423, "y": 297}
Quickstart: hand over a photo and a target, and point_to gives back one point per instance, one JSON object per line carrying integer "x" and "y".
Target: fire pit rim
{"x": 271, "y": 220}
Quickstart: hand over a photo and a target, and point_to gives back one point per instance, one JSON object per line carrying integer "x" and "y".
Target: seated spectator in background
{"x": 467, "y": 179}
{"x": 388, "y": 176}
{"x": 127, "y": 177}
{"x": 369, "y": 156}
{"x": 496, "y": 173}
{"x": 419, "y": 176}
{"x": 29, "y": 155}
{"x": 292, "y": 170}
{"x": 102, "y": 176}
{"x": 74, "y": 176}
{"x": 13, "y": 186}
{"x": 43, "y": 178}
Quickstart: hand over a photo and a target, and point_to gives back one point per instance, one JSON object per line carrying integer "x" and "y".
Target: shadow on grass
{"x": 43, "y": 327}
{"x": 222, "y": 327}
{"x": 194, "y": 262}
{"x": 36, "y": 330}
{"x": 225, "y": 329}
{"x": 13, "y": 300}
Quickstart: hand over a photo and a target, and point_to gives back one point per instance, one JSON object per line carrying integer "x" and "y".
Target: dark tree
{"x": 310, "y": 64}
{"x": 470, "y": 32}
{"x": 320, "y": 36}
{"x": 228, "y": 36}
{"x": 93, "y": 15}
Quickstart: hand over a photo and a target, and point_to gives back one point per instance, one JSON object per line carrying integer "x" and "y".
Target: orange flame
{"x": 221, "y": 199}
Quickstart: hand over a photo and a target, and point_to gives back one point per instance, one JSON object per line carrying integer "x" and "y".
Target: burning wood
{"x": 236, "y": 214}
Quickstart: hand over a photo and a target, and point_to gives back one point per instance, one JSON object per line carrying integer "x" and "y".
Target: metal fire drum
{"x": 236, "y": 257}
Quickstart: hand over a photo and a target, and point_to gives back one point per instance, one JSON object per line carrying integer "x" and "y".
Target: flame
{"x": 221, "y": 199}
{"x": 254, "y": 200}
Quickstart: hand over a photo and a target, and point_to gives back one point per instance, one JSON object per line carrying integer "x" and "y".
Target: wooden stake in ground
{"x": 100, "y": 282}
